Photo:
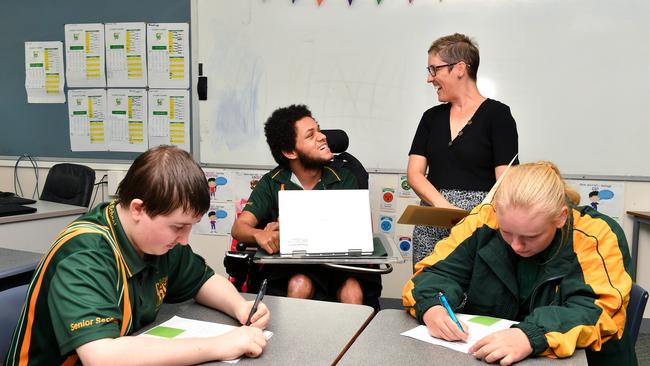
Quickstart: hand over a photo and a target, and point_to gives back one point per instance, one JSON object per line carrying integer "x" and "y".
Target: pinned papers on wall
{"x": 44, "y": 75}
{"x": 388, "y": 199}
{"x": 169, "y": 117}
{"x": 229, "y": 191}
{"x": 217, "y": 221}
{"x": 405, "y": 246}
{"x": 84, "y": 46}
{"x": 606, "y": 197}
{"x": 127, "y": 120}
{"x": 404, "y": 189}
{"x": 126, "y": 57}
{"x": 386, "y": 224}
{"x": 168, "y": 53}
{"x": 87, "y": 117}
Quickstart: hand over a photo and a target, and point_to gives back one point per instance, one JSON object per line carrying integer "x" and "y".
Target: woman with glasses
{"x": 463, "y": 144}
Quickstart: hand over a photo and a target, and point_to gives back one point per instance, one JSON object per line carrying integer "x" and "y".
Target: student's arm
{"x": 218, "y": 293}
{"x": 249, "y": 341}
{"x": 415, "y": 174}
{"x": 244, "y": 230}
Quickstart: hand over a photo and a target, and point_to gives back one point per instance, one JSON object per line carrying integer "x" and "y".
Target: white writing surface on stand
{"x": 126, "y": 56}
{"x": 169, "y": 117}
{"x": 87, "y": 116}
{"x": 168, "y": 53}
{"x": 127, "y": 120}
{"x": 84, "y": 48}
{"x": 44, "y": 75}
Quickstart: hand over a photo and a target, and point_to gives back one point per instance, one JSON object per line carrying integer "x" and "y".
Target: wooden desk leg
{"x": 635, "y": 247}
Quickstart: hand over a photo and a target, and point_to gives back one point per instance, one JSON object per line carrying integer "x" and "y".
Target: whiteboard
{"x": 576, "y": 75}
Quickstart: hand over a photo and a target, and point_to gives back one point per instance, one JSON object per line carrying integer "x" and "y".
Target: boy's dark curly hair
{"x": 280, "y": 132}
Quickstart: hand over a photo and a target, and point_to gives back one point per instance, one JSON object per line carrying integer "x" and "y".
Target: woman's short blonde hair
{"x": 537, "y": 186}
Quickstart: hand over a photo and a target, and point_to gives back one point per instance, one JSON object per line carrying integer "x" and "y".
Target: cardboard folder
{"x": 431, "y": 216}
{"x": 444, "y": 217}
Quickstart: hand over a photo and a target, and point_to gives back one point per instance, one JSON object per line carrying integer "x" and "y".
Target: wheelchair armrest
{"x": 245, "y": 247}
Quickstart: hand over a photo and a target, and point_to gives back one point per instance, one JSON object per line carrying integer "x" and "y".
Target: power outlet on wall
{"x": 114, "y": 179}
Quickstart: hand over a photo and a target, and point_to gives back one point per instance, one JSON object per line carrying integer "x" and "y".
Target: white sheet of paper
{"x": 168, "y": 56}
{"x": 126, "y": 56}
{"x": 44, "y": 75}
{"x": 325, "y": 221}
{"x": 169, "y": 117}
{"x": 87, "y": 116}
{"x": 127, "y": 120}
{"x": 476, "y": 332}
{"x": 191, "y": 328}
{"x": 84, "y": 49}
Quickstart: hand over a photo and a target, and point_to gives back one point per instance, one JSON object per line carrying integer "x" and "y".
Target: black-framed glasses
{"x": 433, "y": 68}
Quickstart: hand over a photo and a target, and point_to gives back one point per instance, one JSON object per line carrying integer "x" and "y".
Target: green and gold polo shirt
{"x": 77, "y": 294}
{"x": 263, "y": 202}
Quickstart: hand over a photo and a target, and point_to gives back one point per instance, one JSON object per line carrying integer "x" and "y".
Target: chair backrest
{"x": 338, "y": 142}
{"x": 71, "y": 184}
{"x": 635, "y": 308}
{"x": 11, "y": 303}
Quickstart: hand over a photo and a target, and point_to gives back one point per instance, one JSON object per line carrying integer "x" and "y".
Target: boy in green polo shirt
{"x": 109, "y": 271}
{"x": 301, "y": 150}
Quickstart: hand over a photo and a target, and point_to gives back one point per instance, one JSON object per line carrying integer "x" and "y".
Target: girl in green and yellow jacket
{"x": 561, "y": 271}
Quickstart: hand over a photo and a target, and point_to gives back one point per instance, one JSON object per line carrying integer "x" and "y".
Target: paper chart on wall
{"x": 84, "y": 48}
{"x": 44, "y": 75}
{"x": 479, "y": 327}
{"x": 126, "y": 56}
{"x": 169, "y": 117}
{"x": 168, "y": 53}
{"x": 87, "y": 116}
{"x": 127, "y": 120}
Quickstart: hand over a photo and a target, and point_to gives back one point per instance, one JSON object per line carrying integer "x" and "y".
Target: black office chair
{"x": 11, "y": 303}
{"x": 635, "y": 308}
{"x": 71, "y": 184}
{"x": 338, "y": 143}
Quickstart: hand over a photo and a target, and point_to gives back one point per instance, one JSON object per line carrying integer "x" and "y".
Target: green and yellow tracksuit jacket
{"x": 579, "y": 296}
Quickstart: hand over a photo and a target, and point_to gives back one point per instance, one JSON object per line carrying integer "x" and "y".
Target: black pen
{"x": 258, "y": 298}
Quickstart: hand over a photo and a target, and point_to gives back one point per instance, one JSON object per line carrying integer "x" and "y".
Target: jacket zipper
{"x": 532, "y": 297}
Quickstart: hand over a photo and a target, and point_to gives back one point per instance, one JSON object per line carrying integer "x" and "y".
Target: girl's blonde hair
{"x": 538, "y": 186}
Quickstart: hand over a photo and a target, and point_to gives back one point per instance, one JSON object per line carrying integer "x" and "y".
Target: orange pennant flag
{"x": 319, "y": 2}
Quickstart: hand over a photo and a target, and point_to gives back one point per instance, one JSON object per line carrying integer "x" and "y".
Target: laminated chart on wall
{"x": 169, "y": 117}
{"x": 87, "y": 114}
{"x": 44, "y": 75}
{"x": 168, "y": 55}
{"x": 84, "y": 50}
{"x": 127, "y": 120}
{"x": 126, "y": 56}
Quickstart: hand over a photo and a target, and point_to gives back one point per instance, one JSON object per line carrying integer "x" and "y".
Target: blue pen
{"x": 444, "y": 302}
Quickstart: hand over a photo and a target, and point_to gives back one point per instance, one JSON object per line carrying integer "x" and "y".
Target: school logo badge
{"x": 161, "y": 290}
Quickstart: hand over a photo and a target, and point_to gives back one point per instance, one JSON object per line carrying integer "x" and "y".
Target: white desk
{"x": 34, "y": 232}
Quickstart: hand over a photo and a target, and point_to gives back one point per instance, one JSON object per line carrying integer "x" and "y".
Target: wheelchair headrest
{"x": 337, "y": 140}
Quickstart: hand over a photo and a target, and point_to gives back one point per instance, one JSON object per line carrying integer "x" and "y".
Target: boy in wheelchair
{"x": 304, "y": 156}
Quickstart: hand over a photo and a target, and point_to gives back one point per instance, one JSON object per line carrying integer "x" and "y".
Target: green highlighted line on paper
{"x": 166, "y": 332}
{"x": 484, "y": 320}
